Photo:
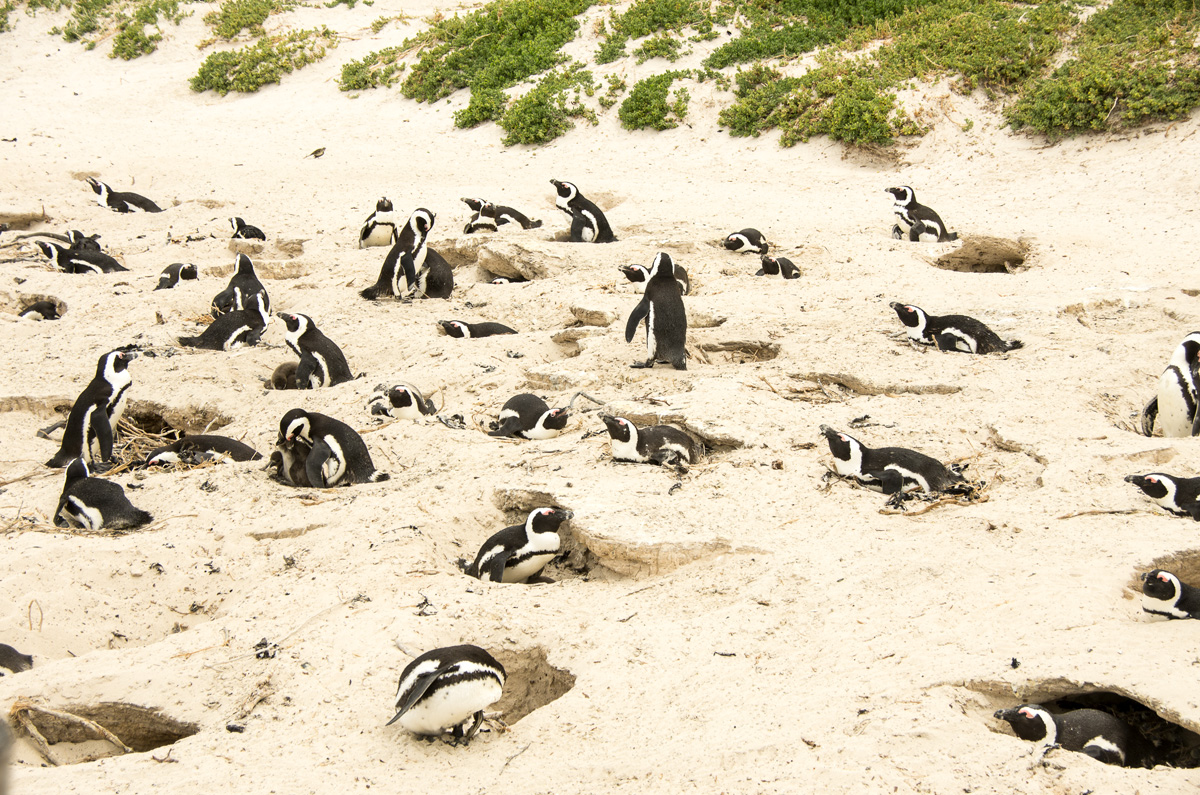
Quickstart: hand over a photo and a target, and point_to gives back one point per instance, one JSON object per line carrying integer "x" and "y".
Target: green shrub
{"x": 486, "y": 104}
{"x": 380, "y": 68}
{"x": 234, "y": 16}
{"x": 658, "y": 47}
{"x": 648, "y": 106}
{"x": 612, "y": 48}
{"x": 86, "y": 17}
{"x": 266, "y": 61}
{"x": 616, "y": 87}
{"x": 545, "y": 113}
{"x": 131, "y": 40}
{"x": 651, "y": 16}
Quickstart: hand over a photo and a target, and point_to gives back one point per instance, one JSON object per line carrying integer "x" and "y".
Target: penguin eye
{"x": 1028, "y": 713}
{"x": 842, "y": 436}
{"x": 1152, "y": 480}
{"x": 1162, "y": 575}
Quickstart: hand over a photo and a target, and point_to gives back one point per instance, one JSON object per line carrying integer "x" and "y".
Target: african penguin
{"x": 1163, "y": 594}
{"x": 197, "y": 449}
{"x": 81, "y": 242}
{"x": 95, "y": 504}
{"x": 655, "y": 444}
{"x": 338, "y": 455}
{"x": 519, "y": 552}
{"x": 233, "y": 329}
{"x": 951, "y": 332}
{"x": 747, "y": 241}
{"x": 72, "y": 261}
{"x": 1098, "y": 734}
{"x": 380, "y": 226}
{"x": 240, "y": 292}
{"x": 444, "y": 688}
{"x": 92, "y": 423}
{"x": 887, "y": 469}
{"x": 527, "y": 416}
{"x": 396, "y": 264}
{"x": 1178, "y": 393}
{"x": 508, "y": 280}
{"x": 434, "y": 278}
{"x": 321, "y": 361}
{"x": 916, "y": 219}
{"x": 175, "y": 273}
{"x": 778, "y": 267}
{"x": 244, "y": 231}
{"x": 457, "y": 328}
{"x": 289, "y": 460}
{"x": 14, "y": 661}
{"x": 40, "y": 310}
{"x": 640, "y": 274}
{"x": 499, "y": 215}
{"x": 588, "y": 224}
{"x": 484, "y": 219}
{"x": 402, "y": 401}
{"x": 661, "y": 309}
{"x": 121, "y": 202}
{"x": 1180, "y": 496}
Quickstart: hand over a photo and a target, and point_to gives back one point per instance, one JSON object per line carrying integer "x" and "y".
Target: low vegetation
{"x": 265, "y": 61}
{"x": 650, "y": 106}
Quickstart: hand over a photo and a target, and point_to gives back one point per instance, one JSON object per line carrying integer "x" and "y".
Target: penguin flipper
{"x": 1192, "y": 509}
{"x": 1148, "y": 416}
{"x": 468, "y": 734}
{"x": 419, "y": 688}
{"x": 1196, "y": 425}
{"x": 410, "y": 269}
{"x": 304, "y": 372}
{"x": 494, "y": 571}
{"x": 638, "y": 314}
{"x": 510, "y": 427}
{"x": 890, "y": 481}
{"x": 317, "y": 456}
{"x": 104, "y": 433}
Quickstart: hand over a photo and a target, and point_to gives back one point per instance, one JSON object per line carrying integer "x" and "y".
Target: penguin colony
{"x": 447, "y": 689}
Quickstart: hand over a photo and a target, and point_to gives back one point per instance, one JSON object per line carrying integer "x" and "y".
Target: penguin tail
{"x": 189, "y": 342}
{"x": 1013, "y": 345}
{"x": 378, "y": 476}
{"x": 951, "y": 236}
{"x": 370, "y": 293}
{"x": 534, "y": 225}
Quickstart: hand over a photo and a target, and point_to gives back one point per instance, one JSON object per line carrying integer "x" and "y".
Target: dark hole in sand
{"x": 985, "y": 254}
{"x": 1175, "y": 745}
{"x": 531, "y": 683}
{"x": 140, "y": 728}
{"x": 741, "y": 351}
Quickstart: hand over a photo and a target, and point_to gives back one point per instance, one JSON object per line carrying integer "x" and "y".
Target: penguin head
{"x": 421, "y": 221}
{"x": 1030, "y": 722}
{"x": 114, "y": 362}
{"x": 663, "y": 266}
{"x": 912, "y": 316}
{"x": 770, "y": 265}
{"x": 455, "y": 328}
{"x": 296, "y": 425}
{"x": 619, "y": 428}
{"x": 296, "y": 323}
{"x": 188, "y": 271}
{"x": 634, "y": 273}
{"x": 566, "y": 190}
{"x": 79, "y": 240}
{"x": 244, "y": 266}
{"x": 475, "y": 204}
{"x": 384, "y": 205}
{"x": 1159, "y": 584}
{"x": 77, "y": 470}
{"x": 843, "y": 446}
{"x": 1156, "y": 485}
{"x": 501, "y": 280}
{"x": 237, "y": 224}
{"x": 546, "y": 520}
{"x": 1187, "y": 354}
{"x": 554, "y": 420}
{"x": 49, "y": 249}
{"x": 734, "y": 242}
{"x": 903, "y": 195}
{"x": 98, "y": 187}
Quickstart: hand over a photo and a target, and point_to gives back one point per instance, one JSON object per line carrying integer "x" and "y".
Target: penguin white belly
{"x": 450, "y": 706}
{"x": 333, "y": 467}
{"x": 626, "y": 451}
{"x": 541, "y": 433}
{"x": 588, "y": 233}
{"x": 409, "y": 412}
{"x": 1107, "y": 746}
{"x": 237, "y": 338}
{"x": 1173, "y": 407}
{"x": 321, "y": 377}
{"x": 526, "y": 568}
{"x": 380, "y": 235}
{"x": 651, "y": 345}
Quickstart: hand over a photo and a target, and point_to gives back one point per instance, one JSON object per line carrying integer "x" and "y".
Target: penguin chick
{"x": 402, "y": 401}
{"x": 888, "y": 469}
{"x": 521, "y": 551}
{"x": 1179, "y": 496}
{"x": 1178, "y": 393}
{"x": 95, "y": 504}
{"x": 526, "y": 416}
{"x": 655, "y": 444}
{"x": 951, "y": 332}
{"x": 916, "y": 220}
{"x": 1098, "y": 734}
{"x": 747, "y": 241}
{"x": 244, "y": 231}
{"x": 778, "y": 267}
{"x": 1164, "y": 595}
{"x": 175, "y": 273}
{"x": 443, "y": 688}
{"x": 461, "y": 330}
{"x": 121, "y": 202}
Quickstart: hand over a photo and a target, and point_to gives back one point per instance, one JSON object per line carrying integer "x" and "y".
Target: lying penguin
{"x": 519, "y": 552}
{"x": 95, "y": 504}
{"x": 194, "y": 450}
{"x": 1098, "y": 734}
{"x": 1164, "y": 595}
{"x": 654, "y": 444}
{"x": 747, "y": 241}
{"x": 402, "y": 402}
{"x": 1179, "y": 496}
{"x": 951, "y": 332}
{"x": 526, "y": 416}
{"x": 891, "y": 470}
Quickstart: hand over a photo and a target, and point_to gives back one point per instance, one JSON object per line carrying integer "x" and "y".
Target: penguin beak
{"x": 567, "y": 515}
{"x": 130, "y": 355}
{"x": 1002, "y": 714}
{"x": 1133, "y": 478}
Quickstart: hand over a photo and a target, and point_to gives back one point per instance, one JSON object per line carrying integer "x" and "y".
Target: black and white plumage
{"x": 40, "y": 310}
{"x": 1163, "y": 594}
{"x": 192, "y": 450}
{"x": 380, "y": 226}
{"x": 444, "y": 688}
{"x": 526, "y": 416}
{"x": 489, "y": 217}
{"x": 654, "y": 444}
{"x": 508, "y": 280}
{"x": 92, "y": 423}
{"x": 426, "y": 274}
{"x": 888, "y": 469}
{"x": 778, "y": 267}
{"x": 233, "y": 329}
{"x": 916, "y": 220}
{"x": 94, "y": 503}
{"x": 464, "y": 330}
{"x": 1180, "y": 496}
{"x": 78, "y": 241}
{"x": 70, "y": 260}
{"x": 951, "y": 332}
{"x": 397, "y": 265}
{"x": 244, "y": 231}
{"x": 121, "y": 202}
{"x": 14, "y": 662}
{"x": 401, "y": 401}
{"x": 747, "y": 241}
{"x": 521, "y": 551}
{"x": 288, "y": 462}
{"x": 175, "y": 273}
{"x": 661, "y": 310}
{"x": 337, "y": 455}
{"x": 239, "y": 293}
{"x": 322, "y": 362}
{"x": 1100, "y": 735}
{"x": 588, "y": 223}
{"x": 639, "y": 275}
{"x": 434, "y": 279}
{"x": 1174, "y": 406}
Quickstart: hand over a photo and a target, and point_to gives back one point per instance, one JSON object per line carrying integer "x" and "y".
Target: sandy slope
{"x": 753, "y": 631}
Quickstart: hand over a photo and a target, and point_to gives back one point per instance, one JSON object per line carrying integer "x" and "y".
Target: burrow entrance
{"x": 146, "y": 426}
{"x": 574, "y": 560}
{"x": 986, "y": 254}
{"x": 85, "y": 733}
{"x": 16, "y": 304}
{"x": 1184, "y": 565}
{"x": 531, "y": 683}
{"x": 738, "y": 351}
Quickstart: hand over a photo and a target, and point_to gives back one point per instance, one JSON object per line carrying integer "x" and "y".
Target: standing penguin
{"x": 747, "y": 241}
{"x": 655, "y": 444}
{"x": 778, "y": 267}
{"x": 233, "y": 329}
{"x": 888, "y": 469}
{"x": 588, "y": 224}
{"x": 462, "y": 330}
{"x": 521, "y": 551}
{"x": 1178, "y": 393}
{"x": 1098, "y": 734}
{"x": 398, "y": 263}
{"x": 175, "y": 273}
{"x": 121, "y": 202}
{"x": 337, "y": 455}
{"x": 1164, "y": 595}
{"x": 526, "y": 416}
{"x": 94, "y": 415}
{"x": 662, "y": 310}
{"x": 242, "y": 288}
{"x": 1180, "y": 496}
{"x": 916, "y": 219}
{"x": 380, "y": 226}
{"x": 444, "y": 688}
{"x": 951, "y": 332}
{"x": 640, "y": 274}
{"x": 402, "y": 401}
{"x": 321, "y": 361}
{"x": 95, "y": 504}
{"x": 69, "y": 260}
{"x": 244, "y": 231}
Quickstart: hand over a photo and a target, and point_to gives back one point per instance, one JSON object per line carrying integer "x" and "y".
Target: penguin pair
{"x": 951, "y": 332}
{"x": 95, "y": 504}
{"x": 655, "y": 444}
{"x": 333, "y": 453}
{"x": 380, "y": 226}
{"x": 79, "y": 260}
{"x": 1179, "y": 496}
{"x": 426, "y": 273}
{"x": 916, "y": 220}
{"x": 121, "y": 202}
{"x": 1102, "y": 736}
{"x": 402, "y": 402}
{"x": 747, "y": 241}
{"x": 661, "y": 308}
{"x": 1164, "y": 595}
{"x": 239, "y": 293}
{"x": 588, "y": 223}
{"x": 891, "y": 470}
{"x": 322, "y": 362}
{"x": 175, "y": 273}
{"x": 92, "y": 423}
{"x": 778, "y": 267}
{"x": 443, "y": 689}
{"x": 233, "y": 329}
{"x": 193, "y": 450}
{"x": 461, "y": 330}
{"x": 526, "y": 416}
{"x": 519, "y": 552}
{"x": 244, "y": 231}
{"x": 1178, "y": 393}
{"x": 640, "y": 275}
{"x": 489, "y": 217}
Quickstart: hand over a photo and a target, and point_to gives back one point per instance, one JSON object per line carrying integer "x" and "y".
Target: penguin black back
{"x": 79, "y": 261}
{"x": 1100, "y": 735}
{"x": 778, "y": 266}
{"x": 234, "y": 328}
{"x": 96, "y": 412}
{"x": 121, "y": 202}
{"x": 444, "y": 688}
{"x": 526, "y": 416}
{"x": 322, "y": 362}
{"x": 916, "y": 219}
{"x": 747, "y": 241}
{"x": 240, "y": 292}
{"x": 175, "y": 273}
{"x": 95, "y": 504}
{"x": 665, "y": 319}
{"x": 244, "y": 231}
{"x": 463, "y": 330}
{"x": 887, "y": 469}
{"x": 951, "y": 332}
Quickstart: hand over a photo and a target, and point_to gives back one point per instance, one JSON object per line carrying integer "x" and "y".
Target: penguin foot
{"x": 642, "y": 365}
